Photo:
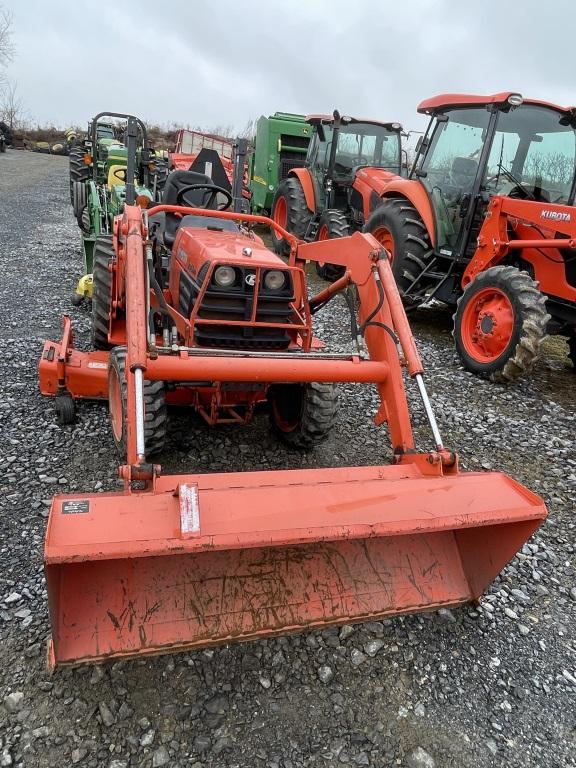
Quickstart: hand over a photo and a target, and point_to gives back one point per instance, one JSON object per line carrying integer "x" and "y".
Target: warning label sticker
{"x": 189, "y": 512}
{"x": 79, "y": 507}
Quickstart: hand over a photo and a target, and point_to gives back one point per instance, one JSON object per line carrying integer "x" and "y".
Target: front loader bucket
{"x": 209, "y": 559}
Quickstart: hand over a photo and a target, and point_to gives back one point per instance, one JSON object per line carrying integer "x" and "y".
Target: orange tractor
{"x": 484, "y": 224}
{"x": 192, "y": 310}
{"x": 348, "y": 159}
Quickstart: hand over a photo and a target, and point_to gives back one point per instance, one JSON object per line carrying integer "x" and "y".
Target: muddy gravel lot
{"x": 486, "y": 685}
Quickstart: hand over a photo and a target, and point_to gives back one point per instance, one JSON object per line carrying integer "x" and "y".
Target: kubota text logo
{"x": 555, "y": 215}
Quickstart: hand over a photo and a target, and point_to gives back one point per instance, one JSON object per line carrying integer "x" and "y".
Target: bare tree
{"x": 11, "y": 107}
{"x": 249, "y": 130}
{"x": 6, "y": 47}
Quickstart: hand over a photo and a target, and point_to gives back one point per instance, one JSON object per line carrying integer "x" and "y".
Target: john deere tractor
{"x": 112, "y": 160}
{"x": 80, "y": 157}
{"x": 332, "y": 195}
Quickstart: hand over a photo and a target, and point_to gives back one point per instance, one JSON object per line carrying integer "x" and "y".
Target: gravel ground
{"x": 489, "y": 685}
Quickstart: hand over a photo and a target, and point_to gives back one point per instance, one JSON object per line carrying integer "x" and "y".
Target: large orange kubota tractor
{"x": 485, "y": 223}
{"x": 201, "y": 314}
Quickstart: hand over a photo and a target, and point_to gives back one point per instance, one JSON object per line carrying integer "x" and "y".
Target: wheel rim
{"x": 281, "y": 213}
{"x": 115, "y": 405}
{"x": 487, "y": 325}
{"x": 384, "y": 237}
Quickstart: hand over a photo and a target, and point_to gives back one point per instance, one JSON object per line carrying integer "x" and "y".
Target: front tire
{"x": 78, "y": 197}
{"x": 302, "y": 415}
{"x": 500, "y": 323}
{"x": 290, "y": 211}
{"x": 155, "y": 411}
{"x": 399, "y": 228}
{"x": 332, "y": 224}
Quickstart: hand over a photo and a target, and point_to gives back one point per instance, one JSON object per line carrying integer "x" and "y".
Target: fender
{"x": 415, "y": 192}
{"x": 305, "y": 179}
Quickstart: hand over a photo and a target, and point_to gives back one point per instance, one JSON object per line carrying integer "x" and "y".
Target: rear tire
{"x": 398, "y": 226}
{"x": 302, "y": 415}
{"x": 500, "y": 323}
{"x": 332, "y": 224}
{"x": 290, "y": 211}
{"x": 161, "y": 174}
{"x": 79, "y": 171}
{"x": 102, "y": 291}
{"x": 155, "y": 411}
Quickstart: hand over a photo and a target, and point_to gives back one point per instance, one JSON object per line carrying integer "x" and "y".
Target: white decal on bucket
{"x": 189, "y": 512}
{"x": 100, "y": 366}
{"x": 79, "y": 507}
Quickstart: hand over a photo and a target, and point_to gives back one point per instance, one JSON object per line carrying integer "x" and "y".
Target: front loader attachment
{"x": 180, "y": 562}
{"x": 211, "y": 559}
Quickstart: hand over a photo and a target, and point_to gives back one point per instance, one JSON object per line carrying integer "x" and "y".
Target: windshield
{"x": 533, "y": 155}
{"x": 104, "y": 131}
{"x": 365, "y": 144}
{"x": 450, "y": 167}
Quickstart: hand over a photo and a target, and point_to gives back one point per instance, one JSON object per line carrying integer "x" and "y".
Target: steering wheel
{"x": 212, "y": 188}
{"x": 120, "y": 174}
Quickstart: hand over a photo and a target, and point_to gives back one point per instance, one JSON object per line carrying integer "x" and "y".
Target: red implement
{"x": 177, "y": 562}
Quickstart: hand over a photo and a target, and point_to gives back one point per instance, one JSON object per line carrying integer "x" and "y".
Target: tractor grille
{"x": 236, "y": 304}
{"x": 289, "y": 160}
{"x": 294, "y": 141}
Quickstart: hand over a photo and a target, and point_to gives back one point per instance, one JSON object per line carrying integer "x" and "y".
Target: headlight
{"x": 274, "y": 280}
{"x": 224, "y": 277}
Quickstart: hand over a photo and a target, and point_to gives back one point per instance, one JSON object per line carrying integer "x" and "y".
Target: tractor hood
{"x": 195, "y": 245}
{"x": 376, "y": 178}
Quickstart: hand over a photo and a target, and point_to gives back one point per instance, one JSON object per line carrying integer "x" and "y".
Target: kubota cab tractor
{"x": 115, "y": 169}
{"x": 226, "y": 327}
{"x": 485, "y": 223}
{"x": 347, "y": 162}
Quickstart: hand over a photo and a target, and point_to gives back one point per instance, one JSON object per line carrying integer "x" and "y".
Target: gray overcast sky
{"x": 221, "y": 62}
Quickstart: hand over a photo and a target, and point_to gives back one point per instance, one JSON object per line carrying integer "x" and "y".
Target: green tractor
{"x": 80, "y": 158}
{"x": 281, "y": 144}
{"x": 114, "y": 161}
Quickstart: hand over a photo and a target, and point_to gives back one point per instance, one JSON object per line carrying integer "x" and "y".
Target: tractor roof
{"x": 445, "y": 100}
{"x": 327, "y": 119}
